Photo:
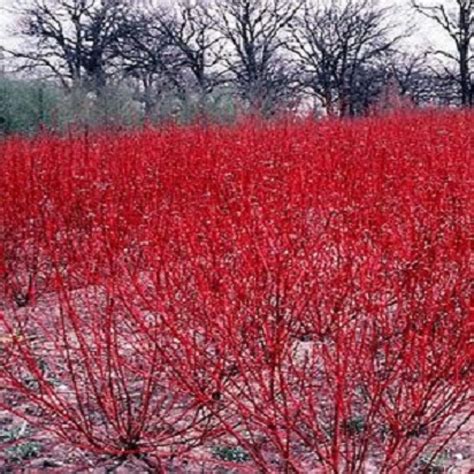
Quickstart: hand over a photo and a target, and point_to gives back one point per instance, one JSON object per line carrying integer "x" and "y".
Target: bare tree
{"x": 147, "y": 57}
{"x": 456, "y": 17}
{"x": 255, "y": 33}
{"x": 72, "y": 39}
{"x": 191, "y": 29}
{"x": 415, "y": 79}
{"x": 337, "y": 46}
{"x": 172, "y": 48}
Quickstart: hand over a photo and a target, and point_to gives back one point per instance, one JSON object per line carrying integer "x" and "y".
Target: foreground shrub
{"x": 280, "y": 298}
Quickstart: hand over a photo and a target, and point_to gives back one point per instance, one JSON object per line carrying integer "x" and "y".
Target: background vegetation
{"x": 120, "y": 63}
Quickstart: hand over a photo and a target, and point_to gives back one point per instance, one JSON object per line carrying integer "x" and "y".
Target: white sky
{"x": 425, "y": 33}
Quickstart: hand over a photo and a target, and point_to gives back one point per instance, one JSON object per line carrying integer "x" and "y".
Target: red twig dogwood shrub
{"x": 285, "y": 297}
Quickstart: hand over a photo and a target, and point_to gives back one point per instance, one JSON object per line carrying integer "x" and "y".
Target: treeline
{"x": 122, "y": 62}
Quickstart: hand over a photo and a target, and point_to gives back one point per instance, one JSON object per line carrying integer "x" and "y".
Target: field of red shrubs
{"x": 274, "y": 297}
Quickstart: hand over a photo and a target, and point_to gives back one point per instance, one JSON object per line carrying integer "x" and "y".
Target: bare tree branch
{"x": 456, "y": 18}
{"x": 72, "y": 38}
{"x": 255, "y": 31}
{"x": 335, "y": 45}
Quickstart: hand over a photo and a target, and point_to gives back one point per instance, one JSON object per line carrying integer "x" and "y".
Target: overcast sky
{"x": 425, "y": 32}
